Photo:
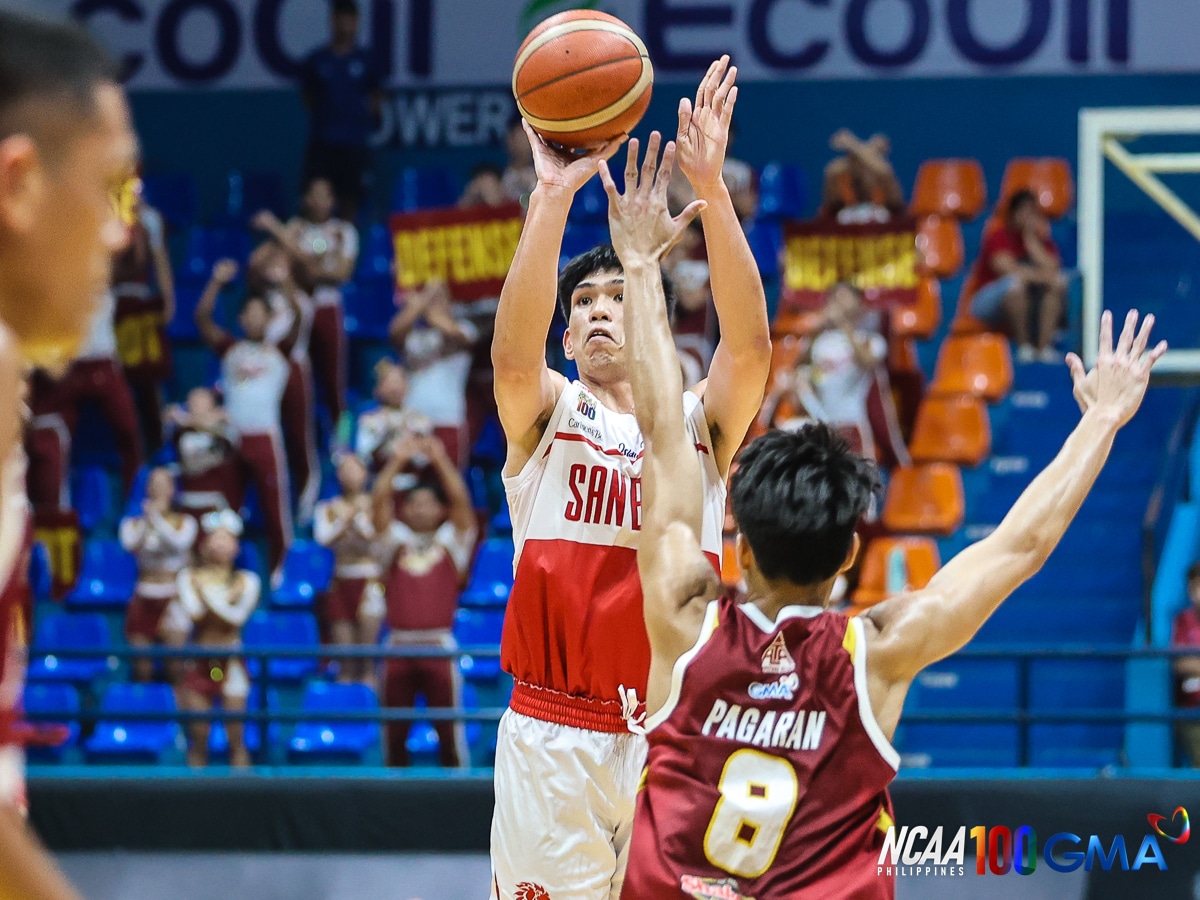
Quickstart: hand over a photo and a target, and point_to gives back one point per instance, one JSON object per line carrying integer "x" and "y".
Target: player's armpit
{"x": 525, "y": 403}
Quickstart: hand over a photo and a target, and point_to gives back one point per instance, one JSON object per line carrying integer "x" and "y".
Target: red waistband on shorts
{"x": 550, "y": 705}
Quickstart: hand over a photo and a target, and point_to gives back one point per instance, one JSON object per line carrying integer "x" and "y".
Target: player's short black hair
{"x": 44, "y": 60}
{"x": 344, "y": 7}
{"x": 798, "y": 497}
{"x": 1019, "y": 199}
{"x": 433, "y": 486}
{"x": 601, "y": 258}
{"x": 486, "y": 168}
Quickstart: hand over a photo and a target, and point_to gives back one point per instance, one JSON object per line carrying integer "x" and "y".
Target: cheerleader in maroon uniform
{"x": 206, "y": 446}
{"x": 161, "y": 539}
{"x": 353, "y": 608}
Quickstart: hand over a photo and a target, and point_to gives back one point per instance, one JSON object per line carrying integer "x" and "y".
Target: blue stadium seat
{"x": 60, "y": 631}
{"x": 248, "y": 192}
{"x": 61, "y": 701}
{"x": 423, "y": 743}
{"x": 580, "y": 237}
{"x": 232, "y": 242}
{"x": 142, "y": 741}
{"x": 249, "y": 556}
{"x": 187, "y": 298}
{"x": 417, "y": 189}
{"x": 476, "y": 628}
{"x": 501, "y": 522}
{"x": 92, "y": 497}
{"x": 106, "y": 577}
{"x": 41, "y": 580}
{"x": 1073, "y": 684}
{"x": 307, "y": 570}
{"x": 282, "y": 629}
{"x": 492, "y": 577}
{"x": 375, "y": 257}
{"x": 197, "y": 259}
{"x": 966, "y": 684}
{"x": 782, "y": 192}
{"x": 954, "y": 745}
{"x": 349, "y": 742}
{"x": 766, "y": 240}
{"x": 369, "y": 309}
{"x": 175, "y": 196}
{"x": 218, "y": 738}
{"x": 590, "y": 206}
{"x": 1076, "y": 746}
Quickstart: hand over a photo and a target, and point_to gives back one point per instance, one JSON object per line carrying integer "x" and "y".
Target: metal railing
{"x": 1020, "y": 715}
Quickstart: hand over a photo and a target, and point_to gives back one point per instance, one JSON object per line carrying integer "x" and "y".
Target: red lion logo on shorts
{"x": 527, "y": 890}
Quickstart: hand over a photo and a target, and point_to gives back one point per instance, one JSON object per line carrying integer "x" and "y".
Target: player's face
{"x": 352, "y": 475}
{"x": 318, "y": 201}
{"x": 595, "y": 338}
{"x": 62, "y": 217}
{"x": 423, "y": 511}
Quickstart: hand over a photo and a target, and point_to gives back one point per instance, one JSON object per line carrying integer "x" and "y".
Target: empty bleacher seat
{"x": 921, "y": 561}
{"x": 492, "y": 576}
{"x": 781, "y": 192}
{"x": 175, "y": 196}
{"x": 141, "y": 740}
{"x": 328, "y": 742}
{"x": 920, "y": 319}
{"x": 295, "y": 630}
{"x": 1049, "y": 178}
{"x": 92, "y": 497}
{"x": 1084, "y": 746}
{"x": 106, "y": 577}
{"x": 307, "y": 570}
{"x": 369, "y": 309}
{"x": 375, "y": 258}
{"x": 417, "y": 189}
{"x": 957, "y": 745}
{"x": 57, "y": 632}
{"x": 924, "y": 499}
{"x": 590, "y": 205}
{"x": 949, "y": 187}
{"x": 248, "y": 192}
{"x": 40, "y": 577}
{"x": 479, "y": 628}
{"x": 965, "y": 684}
{"x": 951, "y": 428}
{"x": 58, "y": 700}
{"x": 978, "y": 364}
{"x": 940, "y": 246}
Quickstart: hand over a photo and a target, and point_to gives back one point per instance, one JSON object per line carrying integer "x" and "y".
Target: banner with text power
{"x": 879, "y": 259}
{"x": 469, "y": 249}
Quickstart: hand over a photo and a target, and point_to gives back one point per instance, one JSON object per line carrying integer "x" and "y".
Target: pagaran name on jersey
{"x": 792, "y": 729}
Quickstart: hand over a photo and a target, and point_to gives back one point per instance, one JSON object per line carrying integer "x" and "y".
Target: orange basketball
{"x": 582, "y": 78}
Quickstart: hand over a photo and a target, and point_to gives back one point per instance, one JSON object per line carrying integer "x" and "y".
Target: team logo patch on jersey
{"x": 783, "y": 689}
{"x": 527, "y": 890}
{"x": 711, "y": 888}
{"x": 776, "y": 660}
{"x": 583, "y": 407}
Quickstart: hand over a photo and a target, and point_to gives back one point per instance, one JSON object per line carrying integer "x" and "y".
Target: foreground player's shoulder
{"x": 12, "y": 380}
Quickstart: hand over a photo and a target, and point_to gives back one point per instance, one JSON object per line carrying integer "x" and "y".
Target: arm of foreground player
{"x": 671, "y": 564}
{"x": 26, "y": 871}
{"x": 526, "y": 389}
{"x": 742, "y": 360}
{"x": 912, "y": 631}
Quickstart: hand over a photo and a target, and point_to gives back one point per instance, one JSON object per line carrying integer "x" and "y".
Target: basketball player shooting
{"x": 66, "y": 190}
{"x": 567, "y": 762}
{"x": 770, "y": 720}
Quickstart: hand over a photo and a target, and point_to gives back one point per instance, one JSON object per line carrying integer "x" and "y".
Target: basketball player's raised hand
{"x": 703, "y": 135}
{"x": 639, "y": 221}
{"x": 562, "y": 170}
{"x": 1119, "y": 380}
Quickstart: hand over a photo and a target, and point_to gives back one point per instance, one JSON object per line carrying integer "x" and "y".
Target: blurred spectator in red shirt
{"x": 1019, "y": 282}
{"x": 324, "y": 249}
{"x": 215, "y": 600}
{"x": 436, "y": 345}
{"x": 1186, "y": 633}
{"x": 428, "y": 550}
{"x": 161, "y": 540}
{"x": 687, "y": 278}
{"x": 861, "y": 185}
{"x": 352, "y": 609}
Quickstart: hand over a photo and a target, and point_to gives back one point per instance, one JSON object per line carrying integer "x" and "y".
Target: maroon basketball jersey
{"x": 767, "y": 774}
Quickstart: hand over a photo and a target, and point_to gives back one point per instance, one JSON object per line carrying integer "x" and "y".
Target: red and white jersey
{"x": 15, "y": 539}
{"x": 282, "y": 316}
{"x": 574, "y": 633}
{"x": 334, "y": 241}
{"x": 767, "y": 773}
{"x": 255, "y": 376}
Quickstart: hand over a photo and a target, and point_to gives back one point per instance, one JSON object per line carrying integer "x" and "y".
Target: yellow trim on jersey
{"x": 642, "y": 779}
{"x": 850, "y": 641}
{"x": 885, "y": 823}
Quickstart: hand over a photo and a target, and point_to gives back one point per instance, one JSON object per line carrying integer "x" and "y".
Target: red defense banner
{"x": 880, "y": 259}
{"x": 470, "y": 249}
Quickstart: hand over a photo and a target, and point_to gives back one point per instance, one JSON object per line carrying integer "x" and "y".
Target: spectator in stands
{"x": 519, "y": 178}
{"x": 860, "y": 185}
{"x": 436, "y": 345}
{"x": 206, "y": 447}
{"x": 1019, "y": 282}
{"x": 485, "y": 187}
{"x": 739, "y": 179}
{"x": 144, "y": 288}
{"x": 161, "y": 539}
{"x": 685, "y": 271}
{"x": 342, "y": 88}
{"x": 325, "y": 251}
{"x": 215, "y": 600}
{"x": 427, "y": 551}
{"x": 292, "y": 315}
{"x": 1185, "y": 633}
{"x": 353, "y": 609}
{"x": 254, "y": 372}
{"x": 380, "y": 428}
{"x": 838, "y": 369}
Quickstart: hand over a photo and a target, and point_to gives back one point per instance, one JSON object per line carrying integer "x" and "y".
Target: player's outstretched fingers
{"x": 650, "y": 163}
{"x": 1078, "y": 377}
{"x": 685, "y": 118}
{"x": 1106, "y": 344}
{"x": 663, "y": 179}
{"x": 702, "y": 91}
{"x": 722, "y": 92}
{"x": 693, "y": 209}
{"x": 1154, "y": 356}
{"x": 631, "y": 166}
{"x": 606, "y": 179}
{"x": 727, "y": 110}
{"x": 1142, "y": 341}
{"x": 1127, "y": 333}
